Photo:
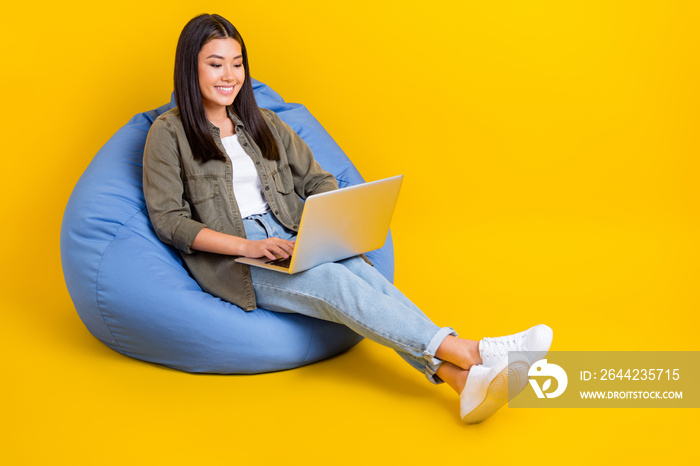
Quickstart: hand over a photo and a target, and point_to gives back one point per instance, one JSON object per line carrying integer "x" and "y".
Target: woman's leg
{"x": 354, "y": 294}
{"x": 454, "y": 376}
{"x": 461, "y": 353}
{"x": 331, "y": 292}
{"x": 365, "y": 302}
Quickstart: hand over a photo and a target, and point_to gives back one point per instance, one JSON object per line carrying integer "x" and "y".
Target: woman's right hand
{"x": 272, "y": 248}
{"x": 221, "y": 243}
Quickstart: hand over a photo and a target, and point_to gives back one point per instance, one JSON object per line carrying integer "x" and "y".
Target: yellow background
{"x": 550, "y": 147}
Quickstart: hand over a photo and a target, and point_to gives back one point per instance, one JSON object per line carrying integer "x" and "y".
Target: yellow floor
{"x": 67, "y": 399}
{"x": 551, "y": 145}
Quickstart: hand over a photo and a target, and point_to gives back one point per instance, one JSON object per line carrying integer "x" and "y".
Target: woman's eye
{"x": 215, "y": 65}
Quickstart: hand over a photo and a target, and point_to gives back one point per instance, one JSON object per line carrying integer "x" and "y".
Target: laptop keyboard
{"x": 281, "y": 262}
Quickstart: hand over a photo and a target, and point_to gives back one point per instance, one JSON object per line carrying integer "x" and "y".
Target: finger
{"x": 287, "y": 248}
{"x": 272, "y": 248}
{"x": 284, "y": 245}
{"x": 267, "y": 253}
{"x": 281, "y": 250}
{"x": 282, "y": 241}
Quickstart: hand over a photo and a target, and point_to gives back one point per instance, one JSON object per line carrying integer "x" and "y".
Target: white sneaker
{"x": 489, "y": 388}
{"x": 533, "y": 343}
{"x": 491, "y": 384}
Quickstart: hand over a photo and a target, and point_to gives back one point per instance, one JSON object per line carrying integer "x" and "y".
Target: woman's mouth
{"x": 224, "y": 89}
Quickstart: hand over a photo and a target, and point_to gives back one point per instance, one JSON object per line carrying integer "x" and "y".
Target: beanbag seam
{"x": 97, "y": 279}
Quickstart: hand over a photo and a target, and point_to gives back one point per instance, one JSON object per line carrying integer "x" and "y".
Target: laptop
{"x": 339, "y": 224}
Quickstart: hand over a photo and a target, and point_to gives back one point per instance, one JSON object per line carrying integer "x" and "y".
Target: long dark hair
{"x": 196, "y": 33}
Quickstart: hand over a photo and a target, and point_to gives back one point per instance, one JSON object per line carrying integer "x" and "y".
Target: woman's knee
{"x": 329, "y": 271}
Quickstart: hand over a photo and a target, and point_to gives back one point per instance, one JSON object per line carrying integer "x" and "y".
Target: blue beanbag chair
{"x": 133, "y": 293}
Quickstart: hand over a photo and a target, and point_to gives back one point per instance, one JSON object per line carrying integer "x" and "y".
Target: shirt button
{"x": 257, "y": 163}
{"x": 277, "y": 212}
{"x": 295, "y": 227}
{"x": 267, "y": 188}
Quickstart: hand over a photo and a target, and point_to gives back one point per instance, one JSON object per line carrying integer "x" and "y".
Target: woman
{"x": 212, "y": 213}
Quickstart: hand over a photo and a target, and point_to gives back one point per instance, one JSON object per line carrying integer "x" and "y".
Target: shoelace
{"x": 499, "y": 346}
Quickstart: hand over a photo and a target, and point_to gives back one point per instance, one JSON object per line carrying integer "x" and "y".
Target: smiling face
{"x": 221, "y": 75}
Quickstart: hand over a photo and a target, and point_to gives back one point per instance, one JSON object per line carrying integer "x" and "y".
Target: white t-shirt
{"x": 246, "y": 184}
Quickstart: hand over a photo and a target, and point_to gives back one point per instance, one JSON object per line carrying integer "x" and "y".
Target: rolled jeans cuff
{"x": 433, "y": 363}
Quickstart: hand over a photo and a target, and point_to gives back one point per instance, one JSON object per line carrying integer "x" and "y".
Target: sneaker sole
{"x": 508, "y": 383}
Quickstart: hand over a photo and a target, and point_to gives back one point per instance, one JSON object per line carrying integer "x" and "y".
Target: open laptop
{"x": 339, "y": 224}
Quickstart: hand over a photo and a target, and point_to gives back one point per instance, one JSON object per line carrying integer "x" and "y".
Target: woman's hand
{"x": 221, "y": 243}
{"x": 272, "y": 248}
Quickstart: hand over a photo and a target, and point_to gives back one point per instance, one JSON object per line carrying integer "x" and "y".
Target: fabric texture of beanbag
{"x": 133, "y": 293}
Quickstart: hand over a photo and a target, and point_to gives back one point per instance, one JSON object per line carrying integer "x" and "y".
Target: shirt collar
{"x": 236, "y": 122}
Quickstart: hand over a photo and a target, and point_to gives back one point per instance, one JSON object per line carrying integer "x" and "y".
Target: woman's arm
{"x": 163, "y": 188}
{"x": 220, "y": 243}
{"x": 171, "y": 215}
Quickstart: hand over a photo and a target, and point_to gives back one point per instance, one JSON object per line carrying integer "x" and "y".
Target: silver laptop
{"x": 339, "y": 224}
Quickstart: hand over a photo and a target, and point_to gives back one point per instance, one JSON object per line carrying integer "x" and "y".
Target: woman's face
{"x": 221, "y": 74}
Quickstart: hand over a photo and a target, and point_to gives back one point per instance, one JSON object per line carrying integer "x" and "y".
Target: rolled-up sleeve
{"x": 163, "y": 189}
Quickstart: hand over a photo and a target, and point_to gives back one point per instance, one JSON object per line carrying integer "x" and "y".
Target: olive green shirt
{"x": 184, "y": 196}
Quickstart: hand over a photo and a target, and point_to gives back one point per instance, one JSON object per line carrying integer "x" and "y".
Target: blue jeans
{"x": 350, "y": 292}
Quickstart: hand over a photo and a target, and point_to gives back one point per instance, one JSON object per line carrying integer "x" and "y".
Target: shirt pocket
{"x": 284, "y": 183}
{"x": 202, "y": 193}
{"x": 201, "y": 189}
